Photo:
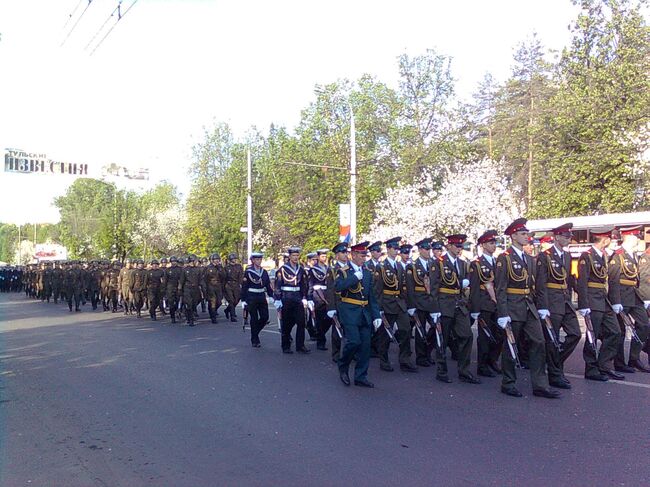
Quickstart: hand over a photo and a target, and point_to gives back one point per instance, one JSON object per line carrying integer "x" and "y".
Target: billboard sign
{"x": 20, "y": 161}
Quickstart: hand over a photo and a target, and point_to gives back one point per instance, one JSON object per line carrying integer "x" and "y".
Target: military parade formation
{"x": 424, "y": 298}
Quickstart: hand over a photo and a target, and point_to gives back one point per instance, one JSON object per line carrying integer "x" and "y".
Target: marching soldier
{"x": 234, "y": 275}
{"x": 310, "y": 321}
{"x": 255, "y": 285}
{"x": 126, "y": 281}
{"x": 189, "y": 287}
{"x": 73, "y": 285}
{"x": 57, "y": 281}
{"x": 483, "y": 307}
{"x": 644, "y": 287}
{"x": 332, "y": 297}
{"x": 372, "y": 264}
{"x": 359, "y": 313}
{"x": 421, "y": 304}
{"x": 316, "y": 300}
{"x": 138, "y": 287}
{"x": 516, "y": 309}
{"x": 172, "y": 281}
{"x": 390, "y": 292}
{"x": 448, "y": 284}
{"x": 153, "y": 282}
{"x": 591, "y": 287}
{"x": 291, "y": 300}
{"x": 624, "y": 297}
{"x": 94, "y": 283}
{"x": 554, "y": 287}
{"x": 215, "y": 280}
{"x": 114, "y": 285}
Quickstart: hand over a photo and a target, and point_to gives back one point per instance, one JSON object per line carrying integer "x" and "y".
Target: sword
{"x": 245, "y": 313}
{"x": 387, "y": 328}
{"x": 512, "y": 346}
{"x": 280, "y": 319}
{"x": 591, "y": 339}
{"x": 551, "y": 333}
{"x": 339, "y": 332}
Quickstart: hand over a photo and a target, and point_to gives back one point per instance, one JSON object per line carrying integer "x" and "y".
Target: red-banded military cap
{"x": 564, "y": 230}
{"x": 546, "y": 239}
{"x": 456, "y": 239}
{"x": 361, "y": 247}
{"x": 519, "y": 225}
{"x": 488, "y": 236}
{"x": 632, "y": 230}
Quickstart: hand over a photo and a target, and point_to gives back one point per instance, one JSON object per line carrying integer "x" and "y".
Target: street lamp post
{"x": 353, "y": 178}
{"x": 249, "y": 207}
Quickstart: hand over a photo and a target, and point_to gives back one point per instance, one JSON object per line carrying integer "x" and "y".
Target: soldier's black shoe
{"x": 624, "y": 368}
{"x": 304, "y": 350}
{"x": 364, "y": 383}
{"x": 547, "y": 393}
{"x": 173, "y": 319}
{"x": 486, "y": 372}
{"x": 321, "y": 347}
{"x": 287, "y": 350}
{"x": 559, "y": 384}
{"x": 598, "y": 377}
{"x": 77, "y": 309}
{"x": 257, "y": 345}
{"x": 511, "y": 391}
{"x": 153, "y": 318}
{"x": 213, "y": 321}
{"x": 423, "y": 362}
{"x": 613, "y": 375}
{"x": 191, "y": 323}
{"x": 469, "y": 379}
{"x": 443, "y": 378}
{"x": 233, "y": 319}
{"x": 345, "y": 377}
{"x": 386, "y": 367}
{"x": 406, "y": 367}
{"x": 638, "y": 365}
{"x": 227, "y": 313}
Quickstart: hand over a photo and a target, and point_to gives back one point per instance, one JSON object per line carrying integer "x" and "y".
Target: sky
{"x": 171, "y": 68}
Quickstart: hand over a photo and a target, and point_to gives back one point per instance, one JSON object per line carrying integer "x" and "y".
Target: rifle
{"x": 629, "y": 323}
{"x": 339, "y": 332}
{"x": 419, "y": 329}
{"x": 309, "y": 322}
{"x": 512, "y": 346}
{"x": 591, "y": 339}
{"x": 551, "y": 333}
{"x": 387, "y": 328}
{"x": 481, "y": 325}
{"x": 440, "y": 343}
{"x": 280, "y": 319}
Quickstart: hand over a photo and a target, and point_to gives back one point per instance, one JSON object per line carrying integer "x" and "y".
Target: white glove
{"x": 503, "y": 322}
{"x": 331, "y": 314}
{"x": 427, "y": 327}
{"x": 359, "y": 274}
{"x": 411, "y": 311}
{"x": 270, "y": 300}
{"x": 304, "y": 303}
{"x": 435, "y": 316}
{"x": 278, "y": 304}
{"x": 465, "y": 283}
{"x": 617, "y": 308}
{"x": 310, "y": 305}
{"x": 475, "y": 316}
{"x": 646, "y": 304}
{"x": 376, "y": 323}
{"x": 395, "y": 329}
{"x": 543, "y": 313}
{"x": 585, "y": 311}
{"x": 243, "y": 304}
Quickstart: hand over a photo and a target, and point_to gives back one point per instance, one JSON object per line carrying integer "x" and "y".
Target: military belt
{"x": 446, "y": 290}
{"x": 319, "y": 287}
{"x": 290, "y": 288}
{"x": 390, "y": 292}
{"x": 596, "y": 285}
{"x": 516, "y": 290}
{"x": 256, "y": 290}
{"x": 627, "y": 282}
{"x": 421, "y": 289}
{"x": 358, "y": 302}
{"x": 553, "y": 285}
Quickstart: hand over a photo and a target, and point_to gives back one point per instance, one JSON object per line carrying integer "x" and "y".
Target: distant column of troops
{"x": 518, "y": 303}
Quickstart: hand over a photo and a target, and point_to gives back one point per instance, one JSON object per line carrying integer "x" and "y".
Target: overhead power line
{"x": 116, "y": 9}
{"x": 120, "y": 16}
{"x": 77, "y": 22}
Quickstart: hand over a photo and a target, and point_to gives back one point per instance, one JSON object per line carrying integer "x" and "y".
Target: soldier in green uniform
{"x": 190, "y": 287}
{"x": 57, "y": 281}
{"x": 126, "y": 281}
{"x": 234, "y": 276}
{"x": 514, "y": 287}
{"x": 554, "y": 286}
{"x": 624, "y": 297}
{"x": 172, "y": 283}
{"x": 114, "y": 285}
{"x": 138, "y": 288}
{"x": 359, "y": 313}
{"x": 449, "y": 287}
{"x": 215, "y": 279}
{"x": 73, "y": 283}
{"x": 153, "y": 282}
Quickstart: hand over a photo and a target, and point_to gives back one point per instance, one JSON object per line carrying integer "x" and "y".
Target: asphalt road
{"x": 98, "y": 399}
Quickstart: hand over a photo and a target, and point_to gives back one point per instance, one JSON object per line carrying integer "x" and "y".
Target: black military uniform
{"x": 333, "y": 298}
{"x": 514, "y": 286}
{"x": 73, "y": 284}
{"x": 390, "y": 292}
{"x": 153, "y": 283}
{"x": 291, "y": 300}
{"x": 114, "y": 286}
{"x": 317, "y": 300}
{"x": 624, "y": 295}
{"x": 138, "y": 289}
{"x": 172, "y": 286}
{"x": 254, "y": 289}
{"x": 483, "y": 306}
{"x": 215, "y": 280}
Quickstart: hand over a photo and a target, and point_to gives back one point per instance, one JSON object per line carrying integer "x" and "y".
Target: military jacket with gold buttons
{"x": 481, "y": 279}
{"x": 390, "y": 287}
{"x": 623, "y": 276}
{"x": 418, "y": 286}
{"x": 553, "y": 281}
{"x": 644, "y": 276}
{"x": 591, "y": 284}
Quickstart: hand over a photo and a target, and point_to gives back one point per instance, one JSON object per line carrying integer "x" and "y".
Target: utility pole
{"x": 20, "y": 249}
{"x": 353, "y": 178}
{"x": 249, "y": 206}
